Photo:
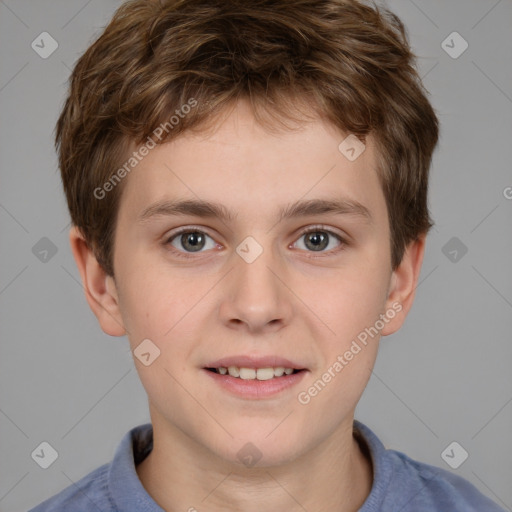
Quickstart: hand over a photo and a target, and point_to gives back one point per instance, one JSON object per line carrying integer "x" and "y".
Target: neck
{"x": 179, "y": 474}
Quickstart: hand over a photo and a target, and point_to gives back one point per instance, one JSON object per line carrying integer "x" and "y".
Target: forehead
{"x": 249, "y": 169}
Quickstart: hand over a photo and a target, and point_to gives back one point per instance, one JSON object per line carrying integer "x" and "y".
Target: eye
{"x": 190, "y": 240}
{"x": 317, "y": 239}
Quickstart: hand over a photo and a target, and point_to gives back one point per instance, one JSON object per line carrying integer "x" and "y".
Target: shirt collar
{"x": 126, "y": 489}
{"x": 382, "y": 470}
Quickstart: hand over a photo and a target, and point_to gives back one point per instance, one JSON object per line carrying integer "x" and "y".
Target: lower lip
{"x": 256, "y": 389}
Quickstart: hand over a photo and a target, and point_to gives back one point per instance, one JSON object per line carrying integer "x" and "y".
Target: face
{"x": 265, "y": 285}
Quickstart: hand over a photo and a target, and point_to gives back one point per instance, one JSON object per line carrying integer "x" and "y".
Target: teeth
{"x": 247, "y": 373}
{"x": 233, "y": 371}
{"x": 265, "y": 373}
{"x": 255, "y": 373}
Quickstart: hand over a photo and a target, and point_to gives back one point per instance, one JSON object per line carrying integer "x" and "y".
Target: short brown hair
{"x": 351, "y": 60}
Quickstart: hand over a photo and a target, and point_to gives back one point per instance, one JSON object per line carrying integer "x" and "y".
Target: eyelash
{"x": 312, "y": 229}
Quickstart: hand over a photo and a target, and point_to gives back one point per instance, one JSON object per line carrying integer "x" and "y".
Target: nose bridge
{"x": 252, "y": 271}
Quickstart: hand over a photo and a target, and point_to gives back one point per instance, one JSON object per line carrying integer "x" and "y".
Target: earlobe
{"x": 403, "y": 283}
{"x": 100, "y": 289}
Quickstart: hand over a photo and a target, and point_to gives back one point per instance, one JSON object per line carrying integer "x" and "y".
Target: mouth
{"x": 255, "y": 377}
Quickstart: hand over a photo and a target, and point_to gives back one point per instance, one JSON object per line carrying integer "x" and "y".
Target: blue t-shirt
{"x": 399, "y": 483}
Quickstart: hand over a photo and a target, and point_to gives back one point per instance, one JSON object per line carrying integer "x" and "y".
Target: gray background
{"x": 444, "y": 377}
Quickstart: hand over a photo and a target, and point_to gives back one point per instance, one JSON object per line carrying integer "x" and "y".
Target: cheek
{"x": 350, "y": 303}
{"x": 350, "y": 299}
{"x": 152, "y": 302}
{"x": 347, "y": 354}
{"x": 167, "y": 310}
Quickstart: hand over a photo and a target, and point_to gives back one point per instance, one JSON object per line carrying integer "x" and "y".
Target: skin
{"x": 287, "y": 302}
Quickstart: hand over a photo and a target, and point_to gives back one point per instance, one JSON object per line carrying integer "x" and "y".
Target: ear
{"x": 100, "y": 289}
{"x": 403, "y": 284}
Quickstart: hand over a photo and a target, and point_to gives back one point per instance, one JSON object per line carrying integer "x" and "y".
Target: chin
{"x": 260, "y": 447}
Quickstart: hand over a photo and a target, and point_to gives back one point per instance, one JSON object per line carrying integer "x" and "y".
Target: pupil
{"x": 193, "y": 241}
{"x": 318, "y": 239}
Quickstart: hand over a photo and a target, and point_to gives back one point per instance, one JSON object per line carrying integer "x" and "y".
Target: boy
{"x": 248, "y": 187}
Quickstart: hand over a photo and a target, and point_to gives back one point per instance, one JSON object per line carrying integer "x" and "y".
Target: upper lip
{"x": 248, "y": 361}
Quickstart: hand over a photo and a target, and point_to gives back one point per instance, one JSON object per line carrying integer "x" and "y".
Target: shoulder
{"x": 89, "y": 493}
{"x": 405, "y": 484}
{"x": 431, "y": 488}
{"x": 112, "y": 487}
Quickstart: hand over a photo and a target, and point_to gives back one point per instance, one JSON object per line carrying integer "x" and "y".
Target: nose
{"x": 256, "y": 298}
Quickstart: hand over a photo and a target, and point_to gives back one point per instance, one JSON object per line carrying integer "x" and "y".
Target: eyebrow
{"x": 208, "y": 209}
